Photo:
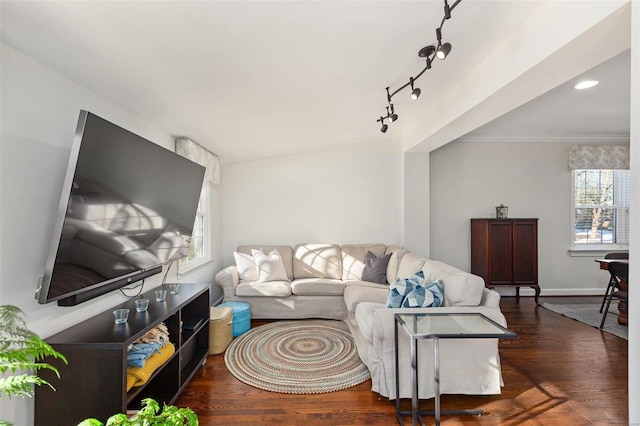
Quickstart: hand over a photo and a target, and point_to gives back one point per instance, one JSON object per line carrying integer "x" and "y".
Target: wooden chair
{"x": 619, "y": 271}
{"x": 612, "y": 281}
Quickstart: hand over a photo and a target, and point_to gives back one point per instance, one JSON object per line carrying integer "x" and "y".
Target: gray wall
{"x": 469, "y": 178}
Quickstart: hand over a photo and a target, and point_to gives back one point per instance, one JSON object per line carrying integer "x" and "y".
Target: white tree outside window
{"x": 600, "y": 218}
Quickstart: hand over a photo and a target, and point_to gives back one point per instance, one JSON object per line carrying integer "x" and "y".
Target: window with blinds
{"x": 600, "y": 209}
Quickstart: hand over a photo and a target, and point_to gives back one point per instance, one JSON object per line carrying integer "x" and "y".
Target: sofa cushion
{"x": 246, "y": 266}
{"x": 424, "y": 296}
{"x": 375, "y": 268}
{"x": 271, "y": 288}
{"x": 317, "y": 261}
{"x": 285, "y": 251}
{"x": 401, "y": 287}
{"x": 364, "y": 318}
{"x": 317, "y": 287}
{"x": 394, "y": 261}
{"x": 353, "y": 256}
{"x": 460, "y": 288}
{"x": 270, "y": 267}
{"x": 410, "y": 264}
{"x": 356, "y": 292}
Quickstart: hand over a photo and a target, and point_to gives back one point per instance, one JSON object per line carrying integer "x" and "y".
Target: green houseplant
{"x": 150, "y": 415}
{"x": 22, "y": 353}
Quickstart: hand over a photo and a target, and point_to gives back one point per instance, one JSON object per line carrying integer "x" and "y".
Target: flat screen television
{"x": 127, "y": 207}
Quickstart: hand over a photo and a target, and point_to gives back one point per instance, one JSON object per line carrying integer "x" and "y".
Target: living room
{"x": 387, "y": 188}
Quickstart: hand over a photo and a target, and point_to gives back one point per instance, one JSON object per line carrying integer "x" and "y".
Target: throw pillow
{"x": 270, "y": 267}
{"x": 375, "y": 268}
{"x": 246, "y": 267}
{"x": 427, "y": 296}
{"x": 401, "y": 287}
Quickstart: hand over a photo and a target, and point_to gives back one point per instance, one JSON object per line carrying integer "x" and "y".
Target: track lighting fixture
{"x": 415, "y": 93}
{"x": 438, "y": 50}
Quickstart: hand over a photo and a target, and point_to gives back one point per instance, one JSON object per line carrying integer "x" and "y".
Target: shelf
{"x": 97, "y": 353}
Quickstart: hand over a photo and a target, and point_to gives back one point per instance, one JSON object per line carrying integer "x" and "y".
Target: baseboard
{"x": 526, "y": 291}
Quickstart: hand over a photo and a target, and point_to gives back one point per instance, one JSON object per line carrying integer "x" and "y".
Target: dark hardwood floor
{"x": 557, "y": 372}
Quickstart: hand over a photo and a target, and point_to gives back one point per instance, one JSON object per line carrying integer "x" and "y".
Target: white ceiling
{"x": 251, "y": 80}
{"x": 601, "y": 112}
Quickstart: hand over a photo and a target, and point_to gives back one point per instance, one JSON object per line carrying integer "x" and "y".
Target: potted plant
{"x": 22, "y": 354}
{"x": 150, "y": 415}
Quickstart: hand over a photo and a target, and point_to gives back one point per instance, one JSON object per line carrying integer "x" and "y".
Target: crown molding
{"x": 578, "y": 138}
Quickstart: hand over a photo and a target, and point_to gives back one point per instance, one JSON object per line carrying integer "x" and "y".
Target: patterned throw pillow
{"x": 401, "y": 287}
{"x": 425, "y": 296}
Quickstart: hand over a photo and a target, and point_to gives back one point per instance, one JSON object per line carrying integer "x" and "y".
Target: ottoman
{"x": 220, "y": 329}
{"x": 241, "y": 316}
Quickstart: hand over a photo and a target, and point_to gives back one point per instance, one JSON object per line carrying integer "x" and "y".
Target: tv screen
{"x": 127, "y": 207}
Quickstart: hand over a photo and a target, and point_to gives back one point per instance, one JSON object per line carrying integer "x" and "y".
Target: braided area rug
{"x": 297, "y": 357}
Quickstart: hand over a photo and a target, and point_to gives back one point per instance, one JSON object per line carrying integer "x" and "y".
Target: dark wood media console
{"x": 94, "y": 382}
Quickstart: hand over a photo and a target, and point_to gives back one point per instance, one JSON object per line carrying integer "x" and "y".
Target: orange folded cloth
{"x": 138, "y": 376}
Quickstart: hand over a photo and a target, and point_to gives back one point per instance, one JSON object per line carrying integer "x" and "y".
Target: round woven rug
{"x": 297, "y": 357}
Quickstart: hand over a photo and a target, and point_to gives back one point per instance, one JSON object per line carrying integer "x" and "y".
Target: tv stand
{"x": 93, "y": 384}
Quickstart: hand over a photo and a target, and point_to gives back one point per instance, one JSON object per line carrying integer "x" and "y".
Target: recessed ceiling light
{"x": 586, "y": 84}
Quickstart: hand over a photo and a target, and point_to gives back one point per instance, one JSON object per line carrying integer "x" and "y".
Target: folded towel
{"x": 141, "y": 352}
{"x": 138, "y": 376}
{"x": 158, "y": 334}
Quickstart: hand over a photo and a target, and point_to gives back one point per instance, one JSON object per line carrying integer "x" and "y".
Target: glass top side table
{"x": 436, "y": 326}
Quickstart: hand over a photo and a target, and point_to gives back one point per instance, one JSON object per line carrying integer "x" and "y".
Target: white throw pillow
{"x": 246, "y": 266}
{"x": 409, "y": 264}
{"x": 270, "y": 267}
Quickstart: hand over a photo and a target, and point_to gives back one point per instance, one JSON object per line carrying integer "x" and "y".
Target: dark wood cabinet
{"x": 94, "y": 383}
{"x": 505, "y": 252}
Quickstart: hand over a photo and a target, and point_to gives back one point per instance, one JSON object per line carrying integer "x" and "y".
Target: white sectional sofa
{"x": 325, "y": 281}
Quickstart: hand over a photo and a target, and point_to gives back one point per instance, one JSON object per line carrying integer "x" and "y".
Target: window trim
{"x": 186, "y": 267}
{"x": 589, "y": 249}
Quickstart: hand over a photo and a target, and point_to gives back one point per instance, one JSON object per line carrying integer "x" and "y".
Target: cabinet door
{"x": 501, "y": 257}
{"x": 525, "y": 252}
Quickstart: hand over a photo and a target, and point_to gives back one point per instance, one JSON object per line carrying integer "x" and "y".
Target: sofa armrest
{"x": 228, "y": 279}
{"x": 490, "y": 298}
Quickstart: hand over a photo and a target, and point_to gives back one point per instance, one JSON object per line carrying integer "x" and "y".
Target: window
{"x": 600, "y": 219}
{"x": 199, "y": 251}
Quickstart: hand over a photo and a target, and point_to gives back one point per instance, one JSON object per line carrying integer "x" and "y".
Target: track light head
{"x": 415, "y": 93}
{"x": 384, "y": 127}
{"x": 443, "y": 51}
{"x": 426, "y": 51}
{"x": 393, "y": 117}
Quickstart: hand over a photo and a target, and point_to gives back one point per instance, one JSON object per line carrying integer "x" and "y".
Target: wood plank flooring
{"x": 557, "y": 372}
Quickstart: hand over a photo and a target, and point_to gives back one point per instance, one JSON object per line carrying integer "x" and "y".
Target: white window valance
{"x": 194, "y": 152}
{"x": 606, "y": 157}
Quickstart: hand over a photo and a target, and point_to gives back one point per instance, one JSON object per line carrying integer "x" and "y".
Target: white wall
{"x": 416, "y": 202}
{"x": 39, "y": 114}
{"x": 469, "y": 178}
{"x": 634, "y": 244}
{"x": 349, "y": 194}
